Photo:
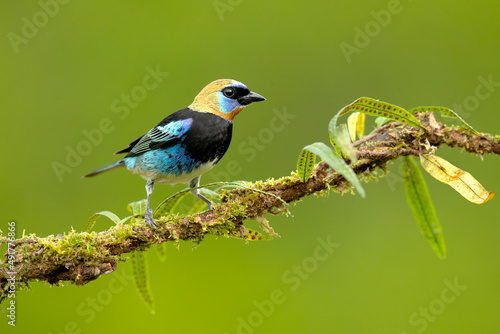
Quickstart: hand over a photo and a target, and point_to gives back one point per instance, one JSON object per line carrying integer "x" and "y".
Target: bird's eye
{"x": 229, "y": 92}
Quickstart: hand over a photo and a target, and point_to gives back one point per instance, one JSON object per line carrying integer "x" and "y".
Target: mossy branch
{"x": 83, "y": 257}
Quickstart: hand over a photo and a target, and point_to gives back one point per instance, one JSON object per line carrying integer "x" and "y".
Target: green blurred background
{"x": 65, "y": 67}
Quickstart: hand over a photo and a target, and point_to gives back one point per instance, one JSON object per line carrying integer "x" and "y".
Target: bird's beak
{"x": 251, "y": 97}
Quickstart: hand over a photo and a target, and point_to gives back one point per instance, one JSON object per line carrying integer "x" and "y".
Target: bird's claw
{"x": 148, "y": 217}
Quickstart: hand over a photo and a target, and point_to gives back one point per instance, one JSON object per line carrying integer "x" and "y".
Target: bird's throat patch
{"x": 232, "y": 114}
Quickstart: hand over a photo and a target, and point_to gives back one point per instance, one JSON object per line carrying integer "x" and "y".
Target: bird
{"x": 188, "y": 142}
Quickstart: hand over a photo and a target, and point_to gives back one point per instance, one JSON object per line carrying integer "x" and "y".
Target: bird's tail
{"x": 114, "y": 165}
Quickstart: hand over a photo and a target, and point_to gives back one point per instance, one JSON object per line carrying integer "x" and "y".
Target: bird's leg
{"x": 195, "y": 183}
{"x": 148, "y": 215}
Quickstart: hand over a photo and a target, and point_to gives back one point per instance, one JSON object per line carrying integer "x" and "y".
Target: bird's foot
{"x": 148, "y": 217}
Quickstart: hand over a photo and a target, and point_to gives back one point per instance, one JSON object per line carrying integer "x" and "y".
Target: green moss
{"x": 124, "y": 231}
{"x": 288, "y": 180}
{"x": 258, "y": 185}
{"x": 271, "y": 183}
{"x": 223, "y": 228}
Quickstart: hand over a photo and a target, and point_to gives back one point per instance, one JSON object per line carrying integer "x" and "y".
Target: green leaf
{"x": 197, "y": 207}
{"x": 374, "y": 107}
{"x": 161, "y": 250}
{"x": 137, "y": 208}
{"x": 333, "y": 125}
{"x": 254, "y": 235}
{"x": 336, "y": 147}
{"x": 381, "y": 121}
{"x": 168, "y": 206}
{"x": 305, "y": 165}
{"x": 332, "y": 128}
{"x": 110, "y": 215}
{"x": 334, "y": 161}
{"x": 210, "y": 194}
{"x": 184, "y": 192}
{"x": 445, "y": 112}
{"x": 420, "y": 202}
{"x": 140, "y": 272}
{"x": 343, "y": 140}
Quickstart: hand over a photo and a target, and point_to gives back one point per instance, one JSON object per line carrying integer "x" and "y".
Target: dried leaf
{"x": 460, "y": 180}
{"x": 445, "y": 112}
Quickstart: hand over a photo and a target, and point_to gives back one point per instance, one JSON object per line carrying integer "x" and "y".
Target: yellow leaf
{"x": 456, "y": 178}
{"x": 356, "y": 125}
{"x": 352, "y": 120}
{"x": 360, "y": 125}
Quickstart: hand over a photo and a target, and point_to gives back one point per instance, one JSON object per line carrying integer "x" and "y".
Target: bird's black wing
{"x": 168, "y": 132}
{"x": 130, "y": 146}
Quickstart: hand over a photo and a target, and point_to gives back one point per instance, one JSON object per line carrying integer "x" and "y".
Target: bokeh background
{"x": 67, "y": 66}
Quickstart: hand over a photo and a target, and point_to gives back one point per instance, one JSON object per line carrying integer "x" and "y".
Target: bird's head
{"x": 225, "y": 98}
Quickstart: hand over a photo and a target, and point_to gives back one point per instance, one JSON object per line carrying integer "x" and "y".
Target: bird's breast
{"x": 208, "y": 137}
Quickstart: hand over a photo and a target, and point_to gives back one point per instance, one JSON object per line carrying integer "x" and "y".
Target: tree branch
{"x": 83, "y": 257}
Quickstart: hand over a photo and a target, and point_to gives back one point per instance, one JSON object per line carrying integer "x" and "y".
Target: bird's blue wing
{"x": 158, "y": 137}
